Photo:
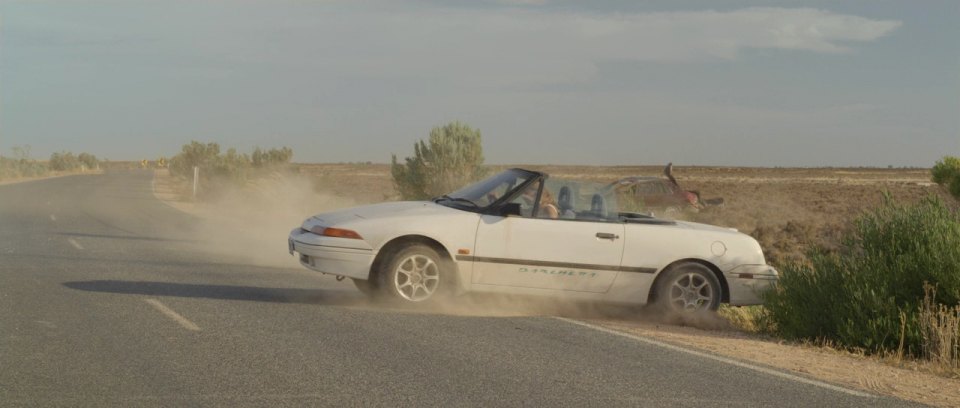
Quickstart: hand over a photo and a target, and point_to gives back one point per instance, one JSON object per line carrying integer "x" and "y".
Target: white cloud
{"x": 502, "y": 47}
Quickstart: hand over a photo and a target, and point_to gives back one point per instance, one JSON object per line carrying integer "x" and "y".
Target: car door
{"x": 558, "y": 254}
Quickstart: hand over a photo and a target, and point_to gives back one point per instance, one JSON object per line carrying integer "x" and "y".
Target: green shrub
{"x": 232, "y": 166}
{"x": 6, "y": 168}
{"x": 272, "y": 157}
{"x": 21, "y": 164}
{"x": 863, "y": 294}
{"x": 452, "y": 158}
{"x": 89, "y": 161}
{"x": 230, "y": 169}
{"x": 194, "y": 154}
{"x": 947, "y": 173}
{"x": 65, "y": 161}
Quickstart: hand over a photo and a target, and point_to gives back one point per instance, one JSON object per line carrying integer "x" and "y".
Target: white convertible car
{"x": 522, "y": 232}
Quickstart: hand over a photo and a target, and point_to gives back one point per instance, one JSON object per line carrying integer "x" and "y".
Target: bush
{"x": 452, "y": 158}
{"x": 65, "y": 161}
{"x": 21, "y": 165}
{"x": 89, "y": 161}
{"x": 867, "y": 295}
{"x": 272, "y": 157}
{"x": 219, "y": 170}
{"x": 947, "y": 173}
{"x": 230, "y": 165}
{"x": 192, "y": 155}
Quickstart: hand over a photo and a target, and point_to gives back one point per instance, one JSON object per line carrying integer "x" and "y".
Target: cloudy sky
{"x": 711, "y": 82}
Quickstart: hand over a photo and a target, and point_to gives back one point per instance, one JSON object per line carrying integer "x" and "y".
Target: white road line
{"x": 74, "y": 243}
{"x": 173, "y": 315}
{"x": 53, "y": 217}
{"x": 721, "y": 359}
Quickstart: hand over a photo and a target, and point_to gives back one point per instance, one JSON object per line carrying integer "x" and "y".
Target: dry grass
{"x": 748, "y": 319}
{"x": 940, "y": 329}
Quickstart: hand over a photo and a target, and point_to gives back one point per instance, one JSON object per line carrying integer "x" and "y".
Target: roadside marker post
{"x": 196, "y": 175}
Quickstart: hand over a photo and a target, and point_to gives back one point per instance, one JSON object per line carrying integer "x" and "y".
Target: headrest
{"x": 565, "y": 199}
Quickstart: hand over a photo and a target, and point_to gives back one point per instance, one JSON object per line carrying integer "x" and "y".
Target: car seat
{"x": 598, "y": 206}
{"x": 565, "y": 203}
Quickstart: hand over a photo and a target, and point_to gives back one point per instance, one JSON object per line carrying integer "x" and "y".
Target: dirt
{"x": 787, "y": 210}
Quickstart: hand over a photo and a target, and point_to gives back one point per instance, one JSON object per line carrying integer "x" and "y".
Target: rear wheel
{"x": 413, "y": 274}
{"x": 689, "y": 288}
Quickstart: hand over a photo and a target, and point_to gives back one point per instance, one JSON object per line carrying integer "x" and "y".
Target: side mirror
{"x": 509, "y": 209}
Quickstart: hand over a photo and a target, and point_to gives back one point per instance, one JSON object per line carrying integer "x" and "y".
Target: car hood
{"x": 380, "y": 211}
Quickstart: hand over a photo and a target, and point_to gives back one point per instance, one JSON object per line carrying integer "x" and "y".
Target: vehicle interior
{"x": 519, "y": 192}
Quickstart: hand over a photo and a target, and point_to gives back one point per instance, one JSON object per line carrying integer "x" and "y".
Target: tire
{"x": 414, "y": 274}
{"x": 365, "y": 286}
{"x": 688, "y": 288}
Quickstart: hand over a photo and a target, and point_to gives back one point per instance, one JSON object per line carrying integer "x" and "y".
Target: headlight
{"x": 335, "y": 232}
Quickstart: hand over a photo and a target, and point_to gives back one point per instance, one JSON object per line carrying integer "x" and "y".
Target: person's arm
{"x": 668, "y": 171}
{"x": 551, "y": 211}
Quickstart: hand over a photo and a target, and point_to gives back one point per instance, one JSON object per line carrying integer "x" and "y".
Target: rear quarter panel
{"x": 657, "y": 246}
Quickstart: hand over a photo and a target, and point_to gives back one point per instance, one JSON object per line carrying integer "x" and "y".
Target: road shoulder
{"x": 845, "y": 369}
{"x": 166, "y": 189}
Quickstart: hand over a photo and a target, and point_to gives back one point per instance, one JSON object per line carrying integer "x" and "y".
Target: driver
{"x": 548, "y": 206}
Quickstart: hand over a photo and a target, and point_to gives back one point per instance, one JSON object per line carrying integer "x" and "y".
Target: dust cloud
{"x": 490, "y": 305}
{"x": 249, "y": 225}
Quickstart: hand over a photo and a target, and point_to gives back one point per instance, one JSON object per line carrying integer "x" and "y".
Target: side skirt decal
{"x": 528, "y": 262}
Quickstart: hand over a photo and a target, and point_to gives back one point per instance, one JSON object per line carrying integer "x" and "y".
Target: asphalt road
{"x": 107, "y": 300}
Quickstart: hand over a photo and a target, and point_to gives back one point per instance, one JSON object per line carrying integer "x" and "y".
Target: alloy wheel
{"x": 417, "y": 277}
{"x": 691, "y": 292}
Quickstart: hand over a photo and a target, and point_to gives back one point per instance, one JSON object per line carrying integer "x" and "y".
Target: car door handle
{"x": 607, "y": 235}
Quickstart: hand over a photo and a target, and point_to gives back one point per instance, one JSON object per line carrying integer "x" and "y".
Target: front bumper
{"x": 329, "y": 255}
{"x": 748, "y": 282}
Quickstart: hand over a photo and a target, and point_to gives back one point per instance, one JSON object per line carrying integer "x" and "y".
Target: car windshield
{"x": 487, "y": 191}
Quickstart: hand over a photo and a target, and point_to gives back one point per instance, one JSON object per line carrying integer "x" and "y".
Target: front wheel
{"x": 689, "y": 288}
{"x": 413, "y": 274}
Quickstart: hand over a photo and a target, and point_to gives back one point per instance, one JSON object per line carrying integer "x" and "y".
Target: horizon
{"x": 522, "y": 165}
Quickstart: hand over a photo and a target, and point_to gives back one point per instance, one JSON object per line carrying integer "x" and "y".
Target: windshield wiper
{"x": 456, "y": 199}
